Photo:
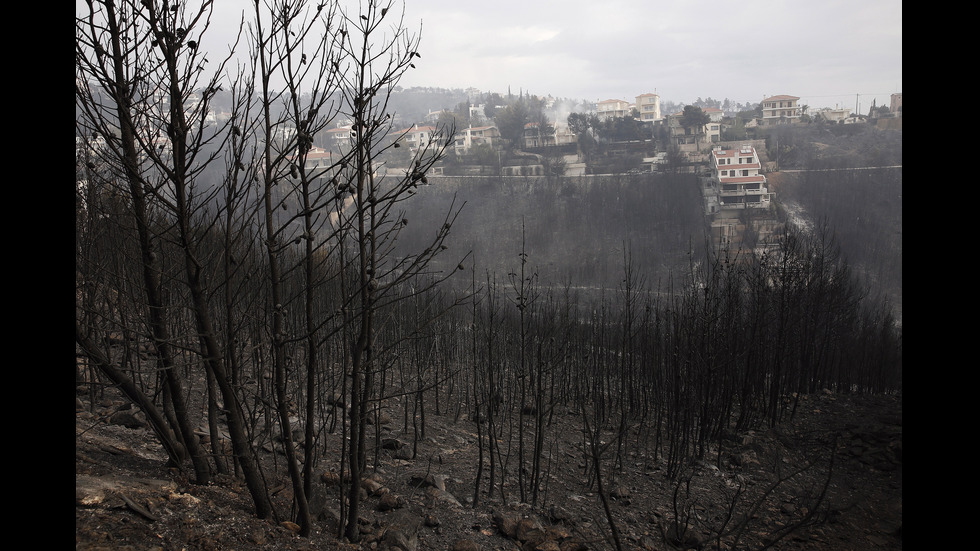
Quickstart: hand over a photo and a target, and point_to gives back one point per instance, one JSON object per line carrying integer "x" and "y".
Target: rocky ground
{"x": 127, "y": 498}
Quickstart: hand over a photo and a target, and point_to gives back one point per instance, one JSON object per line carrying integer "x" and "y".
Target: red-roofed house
{"x": 339, "y": 138}
{"x": 737, "y": 179}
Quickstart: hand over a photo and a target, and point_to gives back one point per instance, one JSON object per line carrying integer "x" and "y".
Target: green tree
{"x": 492, "y": 101}
{"x": 695, "y": 119}
{"x": 511, "y": 121}
{"x": 578, "y": 123}
{"x": 582, "y": 125}
{"x": 623, "y": 129}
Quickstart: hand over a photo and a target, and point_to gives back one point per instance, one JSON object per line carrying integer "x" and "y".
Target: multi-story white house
{"x": 737, "y": 179}
{"x": 649, "y": 107}
{"x": 612, "y": 108}
{"x": 418, "y": 137}
{"x": 780, "y": 110}
{"x": 477, "y": 113}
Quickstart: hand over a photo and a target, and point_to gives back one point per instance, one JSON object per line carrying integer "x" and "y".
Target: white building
{"x": 612, "y": 108}
{"x": 649, "y": 107}
{"x": 475, "y": 135}
{"x": 737, "y": 180}
{"x": 340, "y": 138}
{"x": 836, "y": 114}
{"x": 417, "y": 138}
{"x": 780, "y": 110}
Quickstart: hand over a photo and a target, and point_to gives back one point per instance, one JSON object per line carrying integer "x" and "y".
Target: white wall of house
{"x": 780, "y": 109}
{"x": 612, "y": 108}
{"x": 832, "y": 115}
{"x": 649, "y": 107}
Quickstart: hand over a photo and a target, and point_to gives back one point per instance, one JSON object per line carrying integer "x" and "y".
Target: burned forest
{"x": 290, "y": 322}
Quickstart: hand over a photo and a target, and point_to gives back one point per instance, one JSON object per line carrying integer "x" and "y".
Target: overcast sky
{"x": 829, "y": 52}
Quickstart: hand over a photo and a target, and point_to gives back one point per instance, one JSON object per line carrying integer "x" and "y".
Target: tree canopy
{"x": 694, "y": 117}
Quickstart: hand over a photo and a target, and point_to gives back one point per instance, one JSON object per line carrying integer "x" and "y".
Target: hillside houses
{"x": 646, "y": 131}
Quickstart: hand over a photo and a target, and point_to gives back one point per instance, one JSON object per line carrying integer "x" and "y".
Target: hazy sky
{"x": 828, "y": 53}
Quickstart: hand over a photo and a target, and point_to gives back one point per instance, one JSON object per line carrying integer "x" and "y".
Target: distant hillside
{"x": 576, "y": 230}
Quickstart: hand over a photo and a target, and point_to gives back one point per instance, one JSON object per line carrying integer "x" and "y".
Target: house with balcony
{"x": 339, "y": 138}
{"x": 687, "y": 139}
{"x": 318, "y": 159}
{"x": 418, "y": 138}
{"x": 478, "y": 113}
{"x": 649, "y": 107}
{"x": 736, "y": 200}
{"x": 551, "y": 135}
{"x": 613, "y": 108}
{"x": 475, "y": 135}
{"x": 780, "y": 110}
{"x": 737, "y": 182}
{"x": 535, "y": 136}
